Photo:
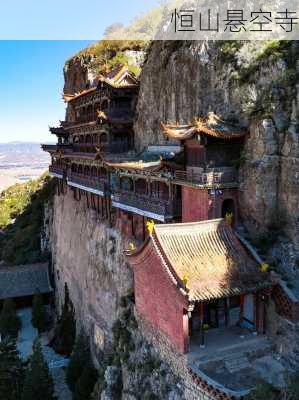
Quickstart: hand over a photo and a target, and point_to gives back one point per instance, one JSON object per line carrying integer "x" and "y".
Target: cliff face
{"x": 88, "y": 255}
{"x": 77, "y": 74}
{"x": 254, "y": 84}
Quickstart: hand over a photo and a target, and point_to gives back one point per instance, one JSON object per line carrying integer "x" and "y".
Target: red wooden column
{"x": 261, "y": 312}
{"x": 186, "y": 331}
{"x": 202, "y": 332}
{"x": 257, "y": 312}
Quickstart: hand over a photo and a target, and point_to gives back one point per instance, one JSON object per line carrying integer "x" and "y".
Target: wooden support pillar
{"x": 242, "y": 299}
{"x": 226, "y": 305}
{"x": 260, "y": 312}
{"x": 202, "y": 332}
{"x": 257, "y": 312}
{"x": 143, "y": 228}
{"x": 98, "y": 204}
{"x": 148, "y": 187}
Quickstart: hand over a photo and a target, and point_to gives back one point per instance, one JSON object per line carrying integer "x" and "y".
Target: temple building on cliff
{"x": 190, "y": 277}
{"x": 192, "y": 272}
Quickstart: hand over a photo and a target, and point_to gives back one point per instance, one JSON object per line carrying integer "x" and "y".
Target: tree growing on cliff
{"x": 38, "y": 313}
{"x": 38, "y": 384}
{"x": 86, "y": 383}
{"x": 65, "y": 332}
{"x": 79, "y": 358}
{"x": 11, "y": 371}
{"x": 10, "y": 323}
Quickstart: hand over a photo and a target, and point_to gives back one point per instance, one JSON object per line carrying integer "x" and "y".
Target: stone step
{"x": 237, "y": 363}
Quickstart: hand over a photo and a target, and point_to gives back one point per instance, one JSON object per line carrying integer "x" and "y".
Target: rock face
{"x": 182, "y": 80}
{"x": 88, "y": 256}
{"x": 77, "y": 74}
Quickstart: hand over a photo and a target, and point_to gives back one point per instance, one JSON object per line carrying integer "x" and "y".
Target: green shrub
{"x": 38, "y": 383}
{"x": 38, "y": 313}
{"x": 79, "y": 358}
{"x": 65, "y": 332}
{"x": 11, "y": 371}
{"x": 264, "y": 391}
{"x": 21, "y": 221}
{"x": 86, "y": 383}
{"x": 10, "y": 323}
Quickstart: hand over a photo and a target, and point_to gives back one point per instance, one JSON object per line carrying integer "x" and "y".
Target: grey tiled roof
{"x": 24, "y": 280}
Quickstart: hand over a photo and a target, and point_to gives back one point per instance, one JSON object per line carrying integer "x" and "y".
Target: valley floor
{"x": 8, "y": 177}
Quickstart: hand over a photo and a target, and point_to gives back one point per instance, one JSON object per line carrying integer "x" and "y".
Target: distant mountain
{"x": 22, "y": 154}
{"x": 20, "y": 146}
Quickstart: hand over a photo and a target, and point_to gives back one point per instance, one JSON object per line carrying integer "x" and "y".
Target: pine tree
{"x": 79, "y": 358}
{"x": 11, "y": 371}
{"x": 86, "y": 383}
{"x": 65, "y": 333}
{"x": 10, "y": 323}
{"x": 38, "y": 313}
{"x": 38, "y": 384}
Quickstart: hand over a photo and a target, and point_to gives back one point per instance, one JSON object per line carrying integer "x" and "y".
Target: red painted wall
{"x": 202, "y": 204}
{"x": 195, "y": 204}
{"x": 157, "y": 298}
{"x": 217, "y": 200}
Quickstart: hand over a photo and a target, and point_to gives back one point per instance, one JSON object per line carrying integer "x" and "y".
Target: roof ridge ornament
{"x": 211, "y": 125}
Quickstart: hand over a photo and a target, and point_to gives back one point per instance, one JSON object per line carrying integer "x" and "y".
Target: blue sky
{"x": 31, "y": 82}
{"x": 65, "y": 19}
{"x": 31, "y": 72}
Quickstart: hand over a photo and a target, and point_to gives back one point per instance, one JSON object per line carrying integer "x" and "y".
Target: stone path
{"x": 27, "y": 334}
{"x": 55, "y": 361}
{"x": 56, "y": 364}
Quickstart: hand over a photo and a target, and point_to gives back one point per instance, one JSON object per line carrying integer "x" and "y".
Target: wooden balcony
{"x": 57, "y": 171}
{"x": 52, "y": 148}
{"x": 112, "y": 147}
{"x": 148, "y": 206}
{"x": 94, "y": 185}
{"x": 226, "y": 176}
{"x": 84, "y": 147}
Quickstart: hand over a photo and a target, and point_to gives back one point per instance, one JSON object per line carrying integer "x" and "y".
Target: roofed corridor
{"x": 210, "y": 177}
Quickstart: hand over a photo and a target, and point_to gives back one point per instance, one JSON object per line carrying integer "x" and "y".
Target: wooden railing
{"x": 84, "y": 147}
{"x": 151, "y": 204}
{"x": 216, "y": 176}
{"x": 98, "y": 183}
{"x": 112, "y": 147}
{"x": 56, "y": 169}
{"x": 56, "y": 147}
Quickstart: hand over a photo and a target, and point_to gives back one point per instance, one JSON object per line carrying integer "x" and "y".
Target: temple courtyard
{"x": 235, "y": 359}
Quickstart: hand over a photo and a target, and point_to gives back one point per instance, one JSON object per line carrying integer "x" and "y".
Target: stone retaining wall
{"x": 195, "y": 387}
